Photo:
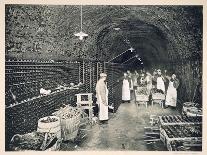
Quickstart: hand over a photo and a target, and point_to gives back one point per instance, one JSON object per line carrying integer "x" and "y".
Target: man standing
{"x": 171, "y": 97}
{"x": 102, "y": 97}
{"x": 126, "y": 96}
{"x": 160, "y": 81}
{"x": 129, "y": 74}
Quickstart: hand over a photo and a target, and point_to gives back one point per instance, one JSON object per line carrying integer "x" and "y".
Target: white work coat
{"x": 102, "y": 96}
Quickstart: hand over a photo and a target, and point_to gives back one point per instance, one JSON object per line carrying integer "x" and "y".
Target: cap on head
{"x": 173, "y": 76}
{"x": 103, "y": 75}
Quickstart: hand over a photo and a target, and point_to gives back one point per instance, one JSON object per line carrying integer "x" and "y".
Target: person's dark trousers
{"x": 96, "y": 110}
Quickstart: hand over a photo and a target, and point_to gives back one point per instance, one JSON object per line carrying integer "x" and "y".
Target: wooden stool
{"x": 84, "y": 101}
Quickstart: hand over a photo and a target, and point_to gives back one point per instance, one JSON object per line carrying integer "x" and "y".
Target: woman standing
{"x": 171, "y": 97}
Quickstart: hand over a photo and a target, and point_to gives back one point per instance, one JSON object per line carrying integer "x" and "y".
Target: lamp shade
{"x": 81, "y": 35}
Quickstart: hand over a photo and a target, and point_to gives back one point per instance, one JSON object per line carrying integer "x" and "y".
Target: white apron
{"x": 103, "y": 109}
{"x": 132, "y": 86}
{"x": 160, "y": 84}
{"x": 171, "y": 97}
{"x": 125, "y": 90}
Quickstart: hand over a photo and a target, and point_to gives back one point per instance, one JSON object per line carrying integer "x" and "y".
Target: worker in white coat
{"x": 160, "y": 81}
{"x": 171, "y": 97}
{"x": 126, "y": 85}
{"x": 102, "y": 97}
{"x": 129, "y": 75}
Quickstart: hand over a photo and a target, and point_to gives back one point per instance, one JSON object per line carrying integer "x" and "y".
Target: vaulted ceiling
{"x": 157, "y": 33}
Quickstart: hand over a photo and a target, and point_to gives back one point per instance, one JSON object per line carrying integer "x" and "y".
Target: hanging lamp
{"x": 81, "y": 34}
{"x": 131, "y": 49}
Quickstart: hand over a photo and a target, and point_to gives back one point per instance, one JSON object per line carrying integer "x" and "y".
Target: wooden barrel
{"x": 51, "y": 127}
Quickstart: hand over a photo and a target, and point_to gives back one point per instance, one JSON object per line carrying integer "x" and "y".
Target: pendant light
{"x": 131, "y": 49}
{"x": 117, "y": 28}
{"x": 128, "y": 43}
{"x": 81, "y": 34}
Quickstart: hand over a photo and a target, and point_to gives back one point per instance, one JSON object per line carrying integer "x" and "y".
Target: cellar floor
{"x": 124, "y": 131}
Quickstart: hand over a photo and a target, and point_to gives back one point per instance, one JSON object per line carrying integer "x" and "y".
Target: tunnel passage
{"x": 163, "y": 36}
{"x": 148, "y": 42}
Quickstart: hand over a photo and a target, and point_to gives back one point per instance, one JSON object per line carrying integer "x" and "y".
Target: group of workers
{"x": 130, "y": 81}
{"x": 161, "y": 81}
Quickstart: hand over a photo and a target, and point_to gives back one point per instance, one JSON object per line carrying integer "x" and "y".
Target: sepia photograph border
{"x": 98, "y": 2}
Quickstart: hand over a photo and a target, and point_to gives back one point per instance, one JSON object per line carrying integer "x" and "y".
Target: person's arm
{"x": 176, "y": 83}
{"x": 102, "y": 92}
{"x": 168, "y": 77}
{"x": 154, "y": 78}
{"x": 120, "y": 79}
{"x": 164, "y": 79}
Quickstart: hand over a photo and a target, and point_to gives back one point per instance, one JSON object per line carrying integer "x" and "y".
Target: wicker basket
{"x": 142, "y": 98}
{"x": 70, "y": 118}
{"x": 187, "y": 109}
{"x": 69, "y": 127}
{"x": 158, "y": 96}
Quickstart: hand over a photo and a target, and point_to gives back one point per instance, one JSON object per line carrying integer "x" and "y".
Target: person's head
{"x": 125, "y": 75}
{"x": 155, "y": 72}
{"x": 173, "y": 76}
{"x": 128, "y": 71}
{"x": 103, "y": 76}
{"x": 159, "y": 72}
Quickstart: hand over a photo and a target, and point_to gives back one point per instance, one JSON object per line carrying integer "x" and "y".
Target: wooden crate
{"x": 182, "y": 122}
{"x": 163, "y": 136}
{"x": 166, "y": 140}
{"x": 156, "y": 96}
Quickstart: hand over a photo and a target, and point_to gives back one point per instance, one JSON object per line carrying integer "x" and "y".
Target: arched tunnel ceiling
{"x": 149, "y": 42}
{"x": 158, "y": 33}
